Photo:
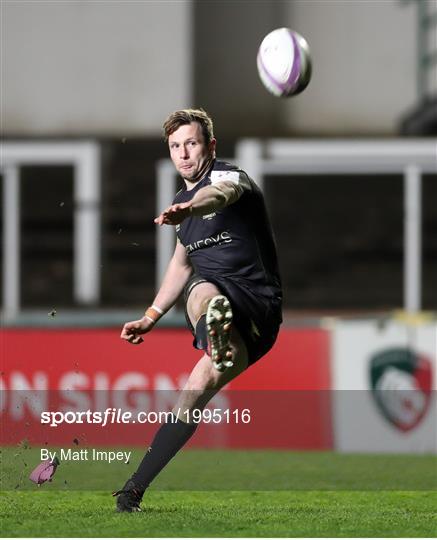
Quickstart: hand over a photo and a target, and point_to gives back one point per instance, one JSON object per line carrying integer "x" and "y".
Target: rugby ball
{"x": 284, "y": 62}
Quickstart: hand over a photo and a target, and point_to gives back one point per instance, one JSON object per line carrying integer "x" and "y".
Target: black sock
{"x": 168, "y": 440}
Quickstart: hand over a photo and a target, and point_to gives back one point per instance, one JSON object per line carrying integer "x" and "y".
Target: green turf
{"x": 222, "y": 514}
{"x": 232, "y": 494}
{"x": 214, "y": 470}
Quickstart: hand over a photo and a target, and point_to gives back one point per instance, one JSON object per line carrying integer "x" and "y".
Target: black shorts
{"x": 256, "y": 317}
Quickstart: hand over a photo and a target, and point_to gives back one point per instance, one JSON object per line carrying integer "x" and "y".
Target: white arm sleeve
{"x": 232, "y": 184}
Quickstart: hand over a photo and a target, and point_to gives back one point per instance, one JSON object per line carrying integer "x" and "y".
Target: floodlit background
{"x": 110, "y": 73}
{"x": 348, "y": 171}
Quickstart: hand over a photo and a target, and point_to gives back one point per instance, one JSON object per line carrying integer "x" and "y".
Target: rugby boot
{"x": 218, "y": 327}
{"x": 129, "y": 498}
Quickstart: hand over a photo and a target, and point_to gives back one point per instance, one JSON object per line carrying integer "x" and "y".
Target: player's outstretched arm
{"x": 208, "y": 199}
{"x": 178, "y": 273}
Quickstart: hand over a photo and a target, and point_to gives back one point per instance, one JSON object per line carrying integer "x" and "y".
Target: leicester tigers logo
{"x": 401, "y": 382}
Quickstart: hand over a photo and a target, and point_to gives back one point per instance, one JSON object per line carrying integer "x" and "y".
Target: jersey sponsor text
{"x": 221, "y": 238}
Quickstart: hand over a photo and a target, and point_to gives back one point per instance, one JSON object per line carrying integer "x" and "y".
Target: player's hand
{"x": 174, "y": 214}
{"x": 132, "y": 330}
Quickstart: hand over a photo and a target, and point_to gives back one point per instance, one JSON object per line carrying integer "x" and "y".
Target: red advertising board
{"x": 280, "y": 402}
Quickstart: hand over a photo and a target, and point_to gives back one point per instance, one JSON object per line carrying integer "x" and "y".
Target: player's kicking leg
{"x": 226, "y": 357}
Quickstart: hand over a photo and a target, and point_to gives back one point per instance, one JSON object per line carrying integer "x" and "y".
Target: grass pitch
{"x": 222, "y": 514}
{"x": 290, "y": 494}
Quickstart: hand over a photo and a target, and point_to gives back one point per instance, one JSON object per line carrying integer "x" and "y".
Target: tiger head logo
{"x": 401, "y": 382}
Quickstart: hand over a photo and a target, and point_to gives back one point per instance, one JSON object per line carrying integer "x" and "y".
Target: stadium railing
{"x": 84, "y": 157}
{"x": 410, "y": 158}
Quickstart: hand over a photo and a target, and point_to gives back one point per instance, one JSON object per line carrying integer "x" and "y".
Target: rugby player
{"x": 225, "y": 264}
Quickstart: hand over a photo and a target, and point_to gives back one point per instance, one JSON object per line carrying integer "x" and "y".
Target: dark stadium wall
{"x": 364, "y": 65}
{"x": 364, "y": 77}
{"x": 153, "y": 57}
{"x": 94, "y": 68}
{"x": 226, "y": 83}
{"x": 345, "y": 255}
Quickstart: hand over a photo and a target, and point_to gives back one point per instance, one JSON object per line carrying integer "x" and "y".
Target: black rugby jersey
{"x": 235, "y": 242}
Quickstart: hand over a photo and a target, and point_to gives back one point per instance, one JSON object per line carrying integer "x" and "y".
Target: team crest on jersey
{"x": 401, "y": 386}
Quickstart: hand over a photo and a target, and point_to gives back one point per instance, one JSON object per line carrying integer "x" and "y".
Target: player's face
{"x": 189, "y": 152}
